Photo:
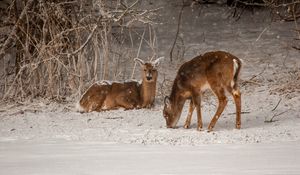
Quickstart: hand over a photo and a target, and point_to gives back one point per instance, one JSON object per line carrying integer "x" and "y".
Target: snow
{"x": 69, "y": 158}
{"x": 108, "y": 82}
{"x": 147, "y": 126}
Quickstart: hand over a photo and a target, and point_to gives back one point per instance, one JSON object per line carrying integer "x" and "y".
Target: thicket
{"x": 56, "y": 48}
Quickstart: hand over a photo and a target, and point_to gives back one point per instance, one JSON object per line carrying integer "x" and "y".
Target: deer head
{"x": 170, "y": 114}
{"x": 149, "y": 69}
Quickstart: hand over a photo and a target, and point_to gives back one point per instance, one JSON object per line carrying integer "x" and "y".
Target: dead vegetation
{"x": 55, "y": 48}
{"x": 287, "y": 84}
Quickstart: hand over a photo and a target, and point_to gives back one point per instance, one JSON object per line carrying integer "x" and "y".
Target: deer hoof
{"x": 210, "y": 129}
{"x": 199, "y": 128}
{"x": 186, "y": 126}
{"x": 238, "y": 126}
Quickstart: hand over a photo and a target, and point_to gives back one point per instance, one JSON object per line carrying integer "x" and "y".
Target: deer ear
{"x": 167, "y": 101}
{"x": 141, "y": 62}
{"x": 155, "y": 63}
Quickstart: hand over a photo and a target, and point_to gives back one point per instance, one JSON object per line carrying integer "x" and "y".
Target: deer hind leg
{"x": 220, "y": 93}
{"x": 237, "y": 100}
{"x": 92, "y": 102}
{"x": 236, "y": 94}
{"x": 189, "y": 117}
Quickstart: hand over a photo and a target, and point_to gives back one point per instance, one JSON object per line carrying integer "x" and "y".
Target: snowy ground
{"x": 82, "y": 158}
{"x": 148, "y": 126}
{"x": 47, "y": 138}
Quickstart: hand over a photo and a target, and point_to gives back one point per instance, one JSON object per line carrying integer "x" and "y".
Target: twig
{"x": 177, "y": 32}
{"x": 261, "y": 72}
{"x": 252, "y": 3}
{"x": 138, "y": 53}
{"x": 249, "y": 81}
{"x": 21, "y": 112}
{"x": 114, "y": 118}
{"x": 295, "y": 47}
{"x": 243, "y": 112}
{"x": 252, "y": 44}
{"x": 259, "y": 36}
{"x": 85, "y": 43}
{"x": 275, "y": 115}
{"x": 276, "y": 105}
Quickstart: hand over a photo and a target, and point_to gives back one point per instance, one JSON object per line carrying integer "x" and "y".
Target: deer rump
{"x": 106, "y": 96}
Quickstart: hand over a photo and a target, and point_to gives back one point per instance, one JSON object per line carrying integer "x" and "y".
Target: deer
{"x": 106, "y": 95}
{"x": 217, "y": 71}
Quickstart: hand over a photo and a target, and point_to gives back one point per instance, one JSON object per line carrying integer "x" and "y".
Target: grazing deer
{"x": 217, "y": 71}
{"x": 107, "y": 95}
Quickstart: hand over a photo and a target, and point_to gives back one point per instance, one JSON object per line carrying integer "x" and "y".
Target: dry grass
{"x": 58, "y": 48}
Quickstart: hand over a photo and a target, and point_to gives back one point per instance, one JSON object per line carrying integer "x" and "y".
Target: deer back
{"x": 110, "y": 95}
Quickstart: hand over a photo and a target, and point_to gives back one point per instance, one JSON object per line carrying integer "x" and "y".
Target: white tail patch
{"x": 235, "y": 68}
{"x": 78, "y": 107}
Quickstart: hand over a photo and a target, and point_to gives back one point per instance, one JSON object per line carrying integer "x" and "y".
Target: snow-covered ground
{"x": 83, "y": 158}
{"x": 47, "y": 138}
{"x": 148, "y": 126}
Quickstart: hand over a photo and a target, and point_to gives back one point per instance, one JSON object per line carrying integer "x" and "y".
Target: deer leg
{"x": 190, "y": 114}
{"x": 220, "y": 93}
{"x": 197, "y": 103}
{"x": 96, "y": 102}
{"x": 125, "y": 103}
{"x": 236, "y": 94}
{"x": 237, "y": 100}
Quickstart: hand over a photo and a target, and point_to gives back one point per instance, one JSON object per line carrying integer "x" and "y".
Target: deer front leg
{"x": 125, "y": 102}
{"x": 197, "y": 102}
{"x": 222, "y": 103}
{"x": 190, "y": 114}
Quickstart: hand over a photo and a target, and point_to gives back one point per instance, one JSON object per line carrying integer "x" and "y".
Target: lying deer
{"x": 217, "y": 71}
{"x": 107, "y": 95}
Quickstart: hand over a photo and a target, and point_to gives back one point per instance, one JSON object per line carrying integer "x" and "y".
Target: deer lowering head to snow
{"x": 217, "y": 71}
{"x": 107, "y": 95}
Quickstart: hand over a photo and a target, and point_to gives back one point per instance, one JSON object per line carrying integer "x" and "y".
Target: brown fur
{"x": 148, "y": 88}
{"x": 105, "y": 96}
{"x": 213, "y": 70}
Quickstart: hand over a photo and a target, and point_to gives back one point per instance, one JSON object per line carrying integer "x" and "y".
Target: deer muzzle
{"x": 148, "y": 78}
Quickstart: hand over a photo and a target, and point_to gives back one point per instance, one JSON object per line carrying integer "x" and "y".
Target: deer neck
{"x": 177, "y": 101}
{"x": 147, "y": 92}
